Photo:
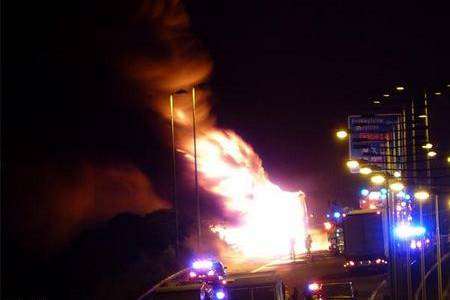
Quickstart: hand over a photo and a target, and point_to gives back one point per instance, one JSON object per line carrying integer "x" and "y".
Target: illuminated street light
{"x": 365, "y": 170}
{"x": 386, "y": 95}
{"x": 421, "y": 195}
{"x": 437, "y": 93}
{"x": 352, "y": 164}
{"x": 423, "y": 116}
{"x": 341, "y": 134}
{"x": 448, "y": 159}
{"x": 376, "y": 101}
{"x": 427, "y": 146}
{"x": 397, "y": 186}
{"x": 400, "y": 88}
{"x": 377, "y": 179}
{"x": 431, "y": 154}
{"x": 397, "y": 174}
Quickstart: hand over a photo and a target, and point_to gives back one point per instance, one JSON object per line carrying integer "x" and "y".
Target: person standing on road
{"x": 308, "y": 244}
{"x": 292, "y": 248}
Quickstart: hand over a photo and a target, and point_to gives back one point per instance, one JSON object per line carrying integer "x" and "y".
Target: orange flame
{"x": 271, "y": 220}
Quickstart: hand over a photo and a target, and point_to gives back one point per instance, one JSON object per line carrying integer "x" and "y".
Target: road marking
{"x": 162, "y": 282}
{"x": 375, "y": 292}
{"x": 260, "y": 268}
{"x": 286, "y": 260}
{"x": 273, "y": 262}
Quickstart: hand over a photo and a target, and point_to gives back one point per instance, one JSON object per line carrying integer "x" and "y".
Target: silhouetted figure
{"x": 308, "y": 244}
{"x": 292, "y": 248}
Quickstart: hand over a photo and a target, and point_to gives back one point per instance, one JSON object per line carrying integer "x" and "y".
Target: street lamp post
{"x": 380, "y": 180}
{"x": 174, "y": 170}
{"x": 402, "y": 157}
{"x": 438, "y": 248}
{"x": 422, "y": 196}
{"x": 408, "y": 272}
{"x": 197, "y": 198}
{"x": 391, "y": 243}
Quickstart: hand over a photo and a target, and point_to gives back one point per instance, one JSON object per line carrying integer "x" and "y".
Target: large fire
{"x": 271, "y": 220}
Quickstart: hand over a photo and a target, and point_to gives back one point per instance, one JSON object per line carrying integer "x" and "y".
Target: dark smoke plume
{"x": 60, "y": 201}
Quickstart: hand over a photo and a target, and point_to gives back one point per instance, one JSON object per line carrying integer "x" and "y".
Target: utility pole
{"x": 404, "y": 153}
{"x": 390, "y": 245}
{"x": 390, "y": 203}
{"x": 174, "y": 176}
{"x": 427, "y": 162}
{"x": 197, "y": 198}
{"x": 438, "y": 249}
{"x": 414, "y": 150}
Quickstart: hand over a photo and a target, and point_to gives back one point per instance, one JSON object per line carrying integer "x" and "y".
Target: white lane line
{"x": 260, "y": 268}
{"x": 273, "y": 262}
{"x": 378, "y": 288}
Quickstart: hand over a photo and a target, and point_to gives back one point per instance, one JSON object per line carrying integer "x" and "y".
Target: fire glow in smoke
{"x": 270, "y": 220}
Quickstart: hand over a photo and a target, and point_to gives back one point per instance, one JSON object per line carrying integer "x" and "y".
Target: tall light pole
{"x": 408, "y": 272}
{"x": 422, "y": 250}
{"x": 174, "y": 176}
{"x": 391, "y": 246}
{"x": 404, "y": 168}
{"x": 422, "y": 196}
{"x": 438, "y": 249}
{"x": 414, "y": 152}
{"x": 390, "y": 204}
{"x": 197, "y": 198}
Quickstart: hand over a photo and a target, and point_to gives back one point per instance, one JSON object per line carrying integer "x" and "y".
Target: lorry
{"x": 365, "y": 239}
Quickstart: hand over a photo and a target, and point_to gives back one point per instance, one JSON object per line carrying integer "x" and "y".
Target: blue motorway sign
{"x": 370, "y": 137}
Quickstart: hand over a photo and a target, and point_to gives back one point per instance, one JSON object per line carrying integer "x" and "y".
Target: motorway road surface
{"x": 323, "y": 267}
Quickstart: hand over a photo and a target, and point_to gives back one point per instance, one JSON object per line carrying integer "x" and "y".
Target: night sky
{"x": 285, "y": 75}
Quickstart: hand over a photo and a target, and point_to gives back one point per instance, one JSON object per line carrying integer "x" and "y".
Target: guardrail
{"x": 167, "y": 279}
{"x": 416, "y": 294}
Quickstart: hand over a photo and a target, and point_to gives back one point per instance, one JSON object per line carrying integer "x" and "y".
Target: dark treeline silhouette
{"x": 118, "y": 259}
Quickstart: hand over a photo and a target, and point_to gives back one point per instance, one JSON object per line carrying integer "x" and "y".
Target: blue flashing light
{"x": 404, "y": 231}
{"x": 407, "y": 196}
{"x": 364, "y": 192}
{"x": 314, "y": 287}
{"x": 220, "y": 294}
{"x": 383, "y": 191}
{"x": 202, "y": 264}
{"x": 337, "y": 214}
